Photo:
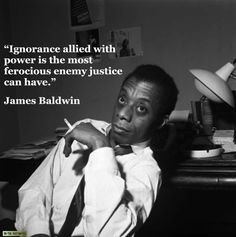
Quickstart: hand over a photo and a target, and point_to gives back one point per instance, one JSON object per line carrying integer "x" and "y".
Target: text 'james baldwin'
{"x": 53, "y": 100}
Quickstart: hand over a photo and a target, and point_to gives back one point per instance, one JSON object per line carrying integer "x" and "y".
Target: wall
{"x": 8, "y": 116}
{"x": 177, "y": 35}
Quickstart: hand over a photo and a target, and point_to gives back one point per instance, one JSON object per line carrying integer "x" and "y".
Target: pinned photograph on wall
{"x": 127, "y": 42}
{"x": 88, "y": 39}
{"x": 86, "y": 14}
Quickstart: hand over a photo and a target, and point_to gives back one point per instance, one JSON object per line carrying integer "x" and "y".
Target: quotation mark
{"x": 6, "y": 46}
{"x": 53, "y": 79}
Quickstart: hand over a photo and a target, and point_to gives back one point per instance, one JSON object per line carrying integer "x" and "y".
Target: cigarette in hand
{"x": 68, "y": 123}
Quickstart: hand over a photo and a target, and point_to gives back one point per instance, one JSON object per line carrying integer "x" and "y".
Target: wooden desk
{"x": 215, "y": 172}
{"x": 17, "y": 171}
{"x": 14, "y": 169}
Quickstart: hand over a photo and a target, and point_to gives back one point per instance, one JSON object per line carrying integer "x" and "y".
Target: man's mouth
{"x": 120, "y": 129}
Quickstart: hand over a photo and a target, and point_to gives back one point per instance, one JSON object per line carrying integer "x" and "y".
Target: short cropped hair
{"x": 167, "y": 88}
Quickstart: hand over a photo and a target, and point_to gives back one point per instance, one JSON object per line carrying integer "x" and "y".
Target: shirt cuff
{"x": 37, "y": 227}
{"x": 103, "y": 159}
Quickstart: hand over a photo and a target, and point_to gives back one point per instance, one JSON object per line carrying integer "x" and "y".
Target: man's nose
{"x": 125, "y": 113}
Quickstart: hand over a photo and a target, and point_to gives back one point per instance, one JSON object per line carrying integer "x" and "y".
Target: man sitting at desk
{"x": 120, "y": 182}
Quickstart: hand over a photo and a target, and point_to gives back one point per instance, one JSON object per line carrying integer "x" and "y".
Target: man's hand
{"x": 86, "y": 134}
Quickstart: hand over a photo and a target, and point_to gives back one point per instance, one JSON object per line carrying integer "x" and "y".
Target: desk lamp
{"x": 214, "y": 87}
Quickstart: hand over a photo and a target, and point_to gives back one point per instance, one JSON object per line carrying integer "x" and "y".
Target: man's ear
{"x": 165, "y": 121}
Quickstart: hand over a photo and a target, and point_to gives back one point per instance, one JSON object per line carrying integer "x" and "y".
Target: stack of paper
{"x": 226, "y": 139}
{"x": 29, "y": 151}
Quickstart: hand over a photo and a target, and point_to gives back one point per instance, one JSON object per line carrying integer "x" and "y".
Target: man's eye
{"x": 121, "y": 100}
{"x": 141, "y": 109}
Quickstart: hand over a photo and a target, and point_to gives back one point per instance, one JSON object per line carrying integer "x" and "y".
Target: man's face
{"x": 135, "y": 112}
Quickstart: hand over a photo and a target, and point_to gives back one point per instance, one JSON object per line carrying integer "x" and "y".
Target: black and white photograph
{"x": 118, "y": 118}
{"x": 127, "y": 42}
{"x": 90, "y": 39}
{"x": 85, "y": 14}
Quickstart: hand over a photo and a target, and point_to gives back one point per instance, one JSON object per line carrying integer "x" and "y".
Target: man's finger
{"x": 68, "y": 142}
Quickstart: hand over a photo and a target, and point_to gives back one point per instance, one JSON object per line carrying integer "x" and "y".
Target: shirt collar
{"x": 137, "y": 147}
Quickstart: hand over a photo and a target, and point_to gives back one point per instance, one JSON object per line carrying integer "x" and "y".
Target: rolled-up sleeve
{"x": 117, "y": 204}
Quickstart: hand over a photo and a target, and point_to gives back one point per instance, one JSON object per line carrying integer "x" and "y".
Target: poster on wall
{"x": 86, "y": 14}
{"x": 127, "y": 42}
{"x": 89, "y": 39}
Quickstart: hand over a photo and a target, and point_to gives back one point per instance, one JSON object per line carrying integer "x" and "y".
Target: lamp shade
{"x": 214, "y": 85}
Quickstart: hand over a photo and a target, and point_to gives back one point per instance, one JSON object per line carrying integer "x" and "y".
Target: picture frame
{"x": 86, "y": 14}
